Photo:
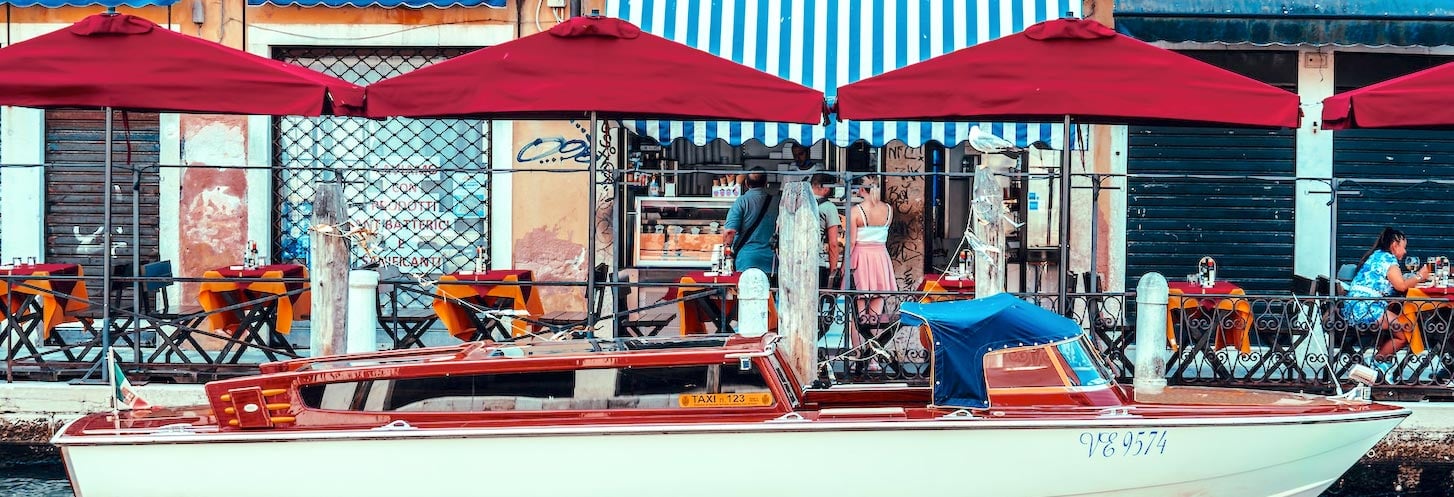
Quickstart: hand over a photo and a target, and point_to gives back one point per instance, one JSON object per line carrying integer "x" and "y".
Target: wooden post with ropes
{"x": 797, "y": 303}
{"x": 329, "y": 275}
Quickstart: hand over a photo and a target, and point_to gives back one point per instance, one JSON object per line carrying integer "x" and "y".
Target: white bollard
{"x": 1151, "y": 297}
{"x": 752, "y": 292}
{"x": 363, "y": 311}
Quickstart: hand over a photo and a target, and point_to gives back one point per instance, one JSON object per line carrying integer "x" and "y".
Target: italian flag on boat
{"x": 123, "y": 395}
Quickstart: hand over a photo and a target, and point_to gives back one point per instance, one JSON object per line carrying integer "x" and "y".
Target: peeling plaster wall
{"x": 213, "y": 208}
{"x": 549, "y": 222}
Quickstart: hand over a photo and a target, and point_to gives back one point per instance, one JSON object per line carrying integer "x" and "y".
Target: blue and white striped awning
{"x": 825, "y": 44}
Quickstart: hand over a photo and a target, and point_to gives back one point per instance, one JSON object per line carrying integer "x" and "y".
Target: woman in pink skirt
{"x": 872, "y": 268}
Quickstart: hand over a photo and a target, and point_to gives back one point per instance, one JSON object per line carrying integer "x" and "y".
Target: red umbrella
{"x": 594, "y": 64}
{"x": 1075, "y": 67}
{"x": 126, "y": 62}
{"x": 1424, "y": 99}
{"x": 597, "y": 67}
{"x": 1062, "y": 70}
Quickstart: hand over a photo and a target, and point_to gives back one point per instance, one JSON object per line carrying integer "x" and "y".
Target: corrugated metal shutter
{"x": 1420, "y": 209}
{"x": 74, "y": 156}
{"x": 1245, "y": 224}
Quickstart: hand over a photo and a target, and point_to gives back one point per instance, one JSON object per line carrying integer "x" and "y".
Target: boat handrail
{"x": 395, "y": 425}
{"x": 959, "y": 414}
{"x": 791, "y": 417}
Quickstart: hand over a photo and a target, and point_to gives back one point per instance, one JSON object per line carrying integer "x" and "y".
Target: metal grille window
{"x": 422, "y": 184}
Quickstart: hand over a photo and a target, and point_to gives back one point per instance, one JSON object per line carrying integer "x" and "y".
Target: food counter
{"x": 678, "y": 232}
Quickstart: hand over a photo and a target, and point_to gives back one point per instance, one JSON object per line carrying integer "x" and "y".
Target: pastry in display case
{"x": 679, "y": 231}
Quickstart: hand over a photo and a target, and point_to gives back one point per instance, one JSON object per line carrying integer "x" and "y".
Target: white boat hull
{"x": 1241, "y": 457}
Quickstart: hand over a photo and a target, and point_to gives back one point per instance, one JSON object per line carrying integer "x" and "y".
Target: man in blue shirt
{"x": 753, "y": 217}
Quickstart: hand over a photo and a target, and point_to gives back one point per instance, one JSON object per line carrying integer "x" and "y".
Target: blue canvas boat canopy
{"x": 1372, "y": 23}
{"x": 825, "y": 44}
{"x": 963, "y": 331}
{"x": 85, "y": 3}
{"x": 413, "y": 4}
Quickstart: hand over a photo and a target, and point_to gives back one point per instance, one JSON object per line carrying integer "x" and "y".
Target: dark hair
{"x": 756, "y": 178}
{"x": 876, "y": 179}
{"x": 824, "y": 179}
{"x": 1386, "y": 238}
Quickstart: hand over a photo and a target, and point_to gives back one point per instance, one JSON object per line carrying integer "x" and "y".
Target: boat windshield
{"x": 1087, "y": 367}
{"x": 1065, "y": 364}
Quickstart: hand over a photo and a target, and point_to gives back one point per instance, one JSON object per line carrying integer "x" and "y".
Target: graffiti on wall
{"x": 550, "y": 236}
{"x": 906, "y": 195}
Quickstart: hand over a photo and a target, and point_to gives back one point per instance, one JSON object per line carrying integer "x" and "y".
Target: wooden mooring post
{"x": 329, "y": 275}
{"x": 797, "y": 302}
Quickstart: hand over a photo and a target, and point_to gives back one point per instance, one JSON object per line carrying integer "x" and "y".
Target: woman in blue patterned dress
{"x": 1379, "y": 276}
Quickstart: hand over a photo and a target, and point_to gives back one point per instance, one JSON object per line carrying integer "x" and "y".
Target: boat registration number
{"x": 758, "y": 399}
{"x": 1123, "y": 443}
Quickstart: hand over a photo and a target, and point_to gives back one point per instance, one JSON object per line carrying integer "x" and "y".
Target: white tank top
{"x": 873, "y": 234}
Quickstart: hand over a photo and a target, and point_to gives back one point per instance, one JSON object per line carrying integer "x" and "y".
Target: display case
{"x": 678, "y": 232}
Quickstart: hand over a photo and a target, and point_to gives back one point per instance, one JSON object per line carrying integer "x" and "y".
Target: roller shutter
{"x": 1245, "y": 224}
{"x": 74, "y": 156}
{"x": 1387, "y": 169}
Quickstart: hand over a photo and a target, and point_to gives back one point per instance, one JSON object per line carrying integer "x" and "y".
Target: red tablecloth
{"x": 938, "y": 283}
{"x": 485, "y": 287}
{"x": 55, "y": 307}
{"x": 693, "y": 320}
{"x": 242, "y": 285}
{"x": 1182, "y": 297}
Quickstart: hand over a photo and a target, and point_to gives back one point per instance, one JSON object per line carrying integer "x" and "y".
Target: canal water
{"x": 39, "y": 473}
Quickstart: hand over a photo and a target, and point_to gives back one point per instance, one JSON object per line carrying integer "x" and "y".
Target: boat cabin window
{"x": 1067, "y": 364}
{"x": 668, "y": 387}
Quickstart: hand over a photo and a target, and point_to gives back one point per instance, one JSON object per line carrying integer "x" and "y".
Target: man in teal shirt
{"x": 754, "y": 217}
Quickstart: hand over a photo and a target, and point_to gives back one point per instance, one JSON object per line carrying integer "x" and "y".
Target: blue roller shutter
{"x": 1246, "y": 224}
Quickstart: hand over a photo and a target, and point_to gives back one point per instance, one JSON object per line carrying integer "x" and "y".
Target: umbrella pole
{"x": 135, "y": 251}
{"x": 1061, "y": 305}
{"x": 591, "y": 229}
{"x": 106, "y": 250}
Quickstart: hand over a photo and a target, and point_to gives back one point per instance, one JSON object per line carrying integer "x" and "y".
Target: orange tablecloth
{"x": 56, "y": 308}
{"x": 214, "y": 294}
{"x": 1185, "y": 296}
{"x": 485, "y": 287}
{"x": 936, "y": 283}
{"x": 1411, "y": 310}
{"x": 693, "y": 320}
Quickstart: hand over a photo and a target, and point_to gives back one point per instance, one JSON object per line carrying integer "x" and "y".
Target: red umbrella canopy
{"x": 598, "y": 64}
{"x": 1073, "y": 67}
{"x": 1423, "y": 99}
{"x": 126, "y": 62}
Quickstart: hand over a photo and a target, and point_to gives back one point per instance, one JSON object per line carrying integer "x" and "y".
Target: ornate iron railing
{"x": 1264, "y": 341}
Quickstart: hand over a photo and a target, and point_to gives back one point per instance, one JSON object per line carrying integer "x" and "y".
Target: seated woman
{"x": 1379, "y": 276}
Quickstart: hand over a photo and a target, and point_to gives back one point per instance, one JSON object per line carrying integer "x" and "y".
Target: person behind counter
{"x": 751, "y": 224}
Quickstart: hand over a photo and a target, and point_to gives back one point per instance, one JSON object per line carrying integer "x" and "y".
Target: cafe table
{"x": 940, "y": 284}
{"x": 27, "y": 286}
{"x": 697, "y": 312}
{"x": 1220, "y": 299}
{"x": 1440, "y": 297}
{"x": 253, "y": 306}
{"x": 495, "y": 290}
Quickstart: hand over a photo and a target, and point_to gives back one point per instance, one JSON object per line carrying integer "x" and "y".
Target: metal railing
{"x": 1282, "y": 342}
